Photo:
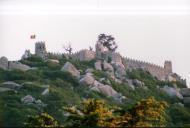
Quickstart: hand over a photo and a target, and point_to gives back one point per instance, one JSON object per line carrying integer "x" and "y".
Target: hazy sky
{"x": 149, "y": 30}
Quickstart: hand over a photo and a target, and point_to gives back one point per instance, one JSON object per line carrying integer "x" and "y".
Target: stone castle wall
{"x": 82, "y": 55}
{"x": 157, "y": 71}
{"x": 55, "y": 55}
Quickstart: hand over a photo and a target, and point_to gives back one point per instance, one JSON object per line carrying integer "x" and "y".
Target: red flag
{"x": 32, "y": 36}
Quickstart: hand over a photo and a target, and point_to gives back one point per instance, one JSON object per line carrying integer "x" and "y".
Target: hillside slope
{"x": 66, "y": 90}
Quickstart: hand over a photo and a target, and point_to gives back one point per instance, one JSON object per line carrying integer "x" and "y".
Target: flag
{"x": 32, "y": 36}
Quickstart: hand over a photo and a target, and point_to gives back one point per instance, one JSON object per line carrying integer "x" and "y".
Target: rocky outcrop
{"x": 120, "y": 72}
{"x": 12, "y": 65}
{"x": 68, "y": 67}
{"x": 3, "y": 89}
{"x": 17, "y": 65}
{"x": 106, "y": 90}
{"x": 53, "y": 61}
{"x": 135, "y": 83}
{"x": 186, "y": 95}
{"x": 95, "y": 85}
{"x": 101, "y": 51}
{"x": 45, "y": 92}
{"x": 28, "y": 100}
{"x": 109, "y": 69}
{"x": 88, "y": 79}
{"x": 172, "y": 92}
{"x": 110, "y": 62}
{"x": 11, "y": 85}
{"x": 130, "y": 84}
{"x": 138, "y": 83}
{"x": 89, "y": 70}
{"x": 98, "y": 65}
{"x": 185, "y": 92}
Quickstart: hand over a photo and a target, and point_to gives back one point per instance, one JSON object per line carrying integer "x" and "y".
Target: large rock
{"x": 17, "y": 65}
{"x": 172, "y": 92}
{"x": 116, "y": 58}
{"x": 68, "y": 67}
{"x": 3, "y": 89}
{"x": 138, "y": 83}
{"x": 53, "y": 61}
{"x": 130, "y": 84}
{"x": 120, "y": 71}
{"x": 108, "y": 66}
{"x": 106, "y": 90}
{"x": 97, "y": 83}
{"x": 105, "y": 81}
{"x": 109, "y": 69}
{"x": 89, "y": 70}
{"x": 4, "y": 63}
{"x": 185, "y": 92}
{"x": 88, "y": 79}
{"x": 28, "y": 100}
{"x": 100, "y": 50}
{"x": 11, "y": 85}
{"x": 45, "y": 92}
{"x": 39, "y": 103}
{"x": 98, "y": 65}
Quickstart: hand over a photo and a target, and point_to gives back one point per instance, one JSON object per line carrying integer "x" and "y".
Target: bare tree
{"x": 108, "y": 41}
{"x": 68, "y": 48}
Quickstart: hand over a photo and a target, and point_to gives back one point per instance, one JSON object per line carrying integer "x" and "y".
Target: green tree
{"x": 42, "y": 120}
{"x": 92, "y": 113}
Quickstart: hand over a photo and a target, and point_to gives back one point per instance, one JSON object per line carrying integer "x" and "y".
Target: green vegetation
{"x": 95, "y": 113}
{"x": 42, "y": 120}
{"x": 65, "y": 91}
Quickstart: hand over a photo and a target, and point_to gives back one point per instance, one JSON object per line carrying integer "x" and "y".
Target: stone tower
{"x": 40, "y": 49}
{"x": 168, "y": 66}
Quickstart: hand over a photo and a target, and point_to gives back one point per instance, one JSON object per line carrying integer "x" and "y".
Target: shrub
{"x": 42, "y": 120}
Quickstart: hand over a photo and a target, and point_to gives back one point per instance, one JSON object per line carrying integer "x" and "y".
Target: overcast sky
{"x": 149, "y": 30}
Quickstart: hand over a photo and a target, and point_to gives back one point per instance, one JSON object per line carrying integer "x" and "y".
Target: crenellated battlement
{"x": 143, "y": 63}
{"x": 82, "y": 55}
{"x": 160, "y": 72}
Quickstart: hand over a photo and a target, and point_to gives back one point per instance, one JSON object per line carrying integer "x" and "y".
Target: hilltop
{"x": 46, "y": 82}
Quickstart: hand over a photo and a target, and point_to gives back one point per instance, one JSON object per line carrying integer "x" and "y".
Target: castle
{"x": 163, "y": 73}
{"x": 157, "y": 71}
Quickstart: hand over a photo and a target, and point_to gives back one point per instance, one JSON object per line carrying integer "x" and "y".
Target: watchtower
{"x": 40, "y": 49}
{"x": 168, "y": 66}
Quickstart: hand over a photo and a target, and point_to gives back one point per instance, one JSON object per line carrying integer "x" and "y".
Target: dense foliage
{"x": 42, "y": 120}
{"x": 64, "y": 90}
{"x": 95, "y": 113}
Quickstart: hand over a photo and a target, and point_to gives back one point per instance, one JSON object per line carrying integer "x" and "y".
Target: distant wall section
{"x": 157, "y": 71}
